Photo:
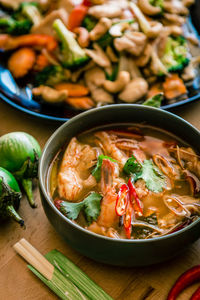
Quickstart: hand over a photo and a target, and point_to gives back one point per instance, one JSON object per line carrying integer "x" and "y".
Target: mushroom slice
{"x": 98, "y": 56}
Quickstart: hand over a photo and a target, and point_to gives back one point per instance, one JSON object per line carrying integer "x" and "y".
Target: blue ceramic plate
{"x": 19, "y": 94}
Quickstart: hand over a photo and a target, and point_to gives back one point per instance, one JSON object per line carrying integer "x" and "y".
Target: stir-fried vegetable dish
{"x": 90, "y": 53}
{"x": 127, "y": 182}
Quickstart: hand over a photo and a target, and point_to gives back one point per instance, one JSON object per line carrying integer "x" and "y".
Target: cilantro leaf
{"x": 90, "y": 206}
{"x": 71, "y": 210}
{"x": 132, "y": 166}
{"x": 154, "y": 179}
{"x": 97, "y": 170}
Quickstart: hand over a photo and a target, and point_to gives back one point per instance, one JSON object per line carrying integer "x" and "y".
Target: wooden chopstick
{"x": 35, "y": 258}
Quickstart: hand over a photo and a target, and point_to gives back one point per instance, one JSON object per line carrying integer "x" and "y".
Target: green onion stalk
{"x": 19, "y": 154}
{"x": 10, "y": 196}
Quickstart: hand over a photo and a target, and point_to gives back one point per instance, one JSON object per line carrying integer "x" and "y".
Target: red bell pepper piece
{"x": 76, "y": 16}
{"x": 196, "y": 295}
{"x": 184, "y": 281}
{"x": 133, "y": 194}
{"x": 87, "y": 3}
{"x": 128, "y": 219}
{"x": 122, "y": 200}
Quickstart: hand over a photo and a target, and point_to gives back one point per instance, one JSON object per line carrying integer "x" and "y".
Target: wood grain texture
{"x": 16, "y": 280}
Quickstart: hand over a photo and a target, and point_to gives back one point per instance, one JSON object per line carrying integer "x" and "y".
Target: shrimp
{"x": 110, "y": 148}
{"x": 108, "y": 215}
{"x": 74, "y": 178}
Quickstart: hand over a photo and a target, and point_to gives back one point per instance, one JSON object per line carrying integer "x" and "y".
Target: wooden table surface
{"x": 18, "y": 283}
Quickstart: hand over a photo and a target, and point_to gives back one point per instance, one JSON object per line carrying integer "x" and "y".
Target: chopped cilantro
{"x": 97, "y": 170}
{"x": 90, "y": 206}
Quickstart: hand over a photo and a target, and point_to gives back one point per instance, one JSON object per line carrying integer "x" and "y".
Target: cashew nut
{"x": 134, "y": 90}
{"x": 83, "y": 36}
{"x": 147, "y": 8}
{"x": 119, "y": 84}
{"x": 98, "y": 56}
{"x": 49, "y": 94}
{"x": 100, "y": 29}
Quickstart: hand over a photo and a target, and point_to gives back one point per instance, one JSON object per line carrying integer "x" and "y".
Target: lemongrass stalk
{"x": 61, "y": 286}
{"x": 77, "y": 276}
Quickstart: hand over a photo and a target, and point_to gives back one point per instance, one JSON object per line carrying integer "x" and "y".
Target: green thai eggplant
{"x": 19, "y": 154}
{"x": 10, "y": 196}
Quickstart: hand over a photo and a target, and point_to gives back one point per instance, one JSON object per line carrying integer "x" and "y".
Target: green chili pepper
{"x": 10, "y": 196}
{"x": 19, "y": 154}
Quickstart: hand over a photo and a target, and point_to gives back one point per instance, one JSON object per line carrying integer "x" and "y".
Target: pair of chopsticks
{"x": 35, "y": 258}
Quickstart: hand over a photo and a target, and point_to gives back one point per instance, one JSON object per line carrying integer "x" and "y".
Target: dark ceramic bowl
{"x": 113, "y": 251}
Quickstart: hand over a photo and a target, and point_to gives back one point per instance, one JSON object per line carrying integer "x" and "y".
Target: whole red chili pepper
{"x": 122, "y": 200}
{"x": 133, "y": 194}
{"x": 196, "y": 295}
{"x": 183, "y": 281}
{"x": 128, "y": 219}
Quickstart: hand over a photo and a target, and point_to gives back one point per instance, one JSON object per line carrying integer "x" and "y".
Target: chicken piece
{"x": 134, "y": 90}
{"x": 94, "y": 79}
{"x": 45, "y": 26}
{"x": 132, "y": 42}
{"x": 106, "y": 10}
{"x": 74, "y": 178}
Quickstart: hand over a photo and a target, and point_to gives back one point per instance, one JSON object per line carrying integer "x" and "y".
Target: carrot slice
{"x": 74, "y": 90}
{"x": 41, "y": 62}
{"x": 76, "y": 16}
{"x": 174, "y": 87}
{"x": 155, "y": 89}
{"x": 80, "y": 102}
{"x": 21, "y": 62}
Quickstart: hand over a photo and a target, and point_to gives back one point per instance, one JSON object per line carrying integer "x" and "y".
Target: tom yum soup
{"x": 127, "y": 182}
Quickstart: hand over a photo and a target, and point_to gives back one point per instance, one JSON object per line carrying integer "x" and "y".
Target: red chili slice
{"x": 133, "y": 194}
{"x": 122, "y": 200}
{"x": 184, "y": 281}
{"x": 196, "y": 295}
{"x": 87, "y": 3}
{"x": 128, "y": 219}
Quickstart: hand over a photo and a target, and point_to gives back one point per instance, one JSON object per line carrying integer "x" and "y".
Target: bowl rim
{"x": 88, "y": 232}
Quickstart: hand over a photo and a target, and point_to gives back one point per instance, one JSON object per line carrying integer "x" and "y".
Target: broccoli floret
{"x": 14, "y": 27}
{"x": 158, "y": 3}
{"x": 89, "y": 23}
{"x": 72, "y": 54}
{"x": 50, "y": 75}
{"x": 154, "y": 101}
{"x": 28, "y": 10}
{"x": 175, "y": 57}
